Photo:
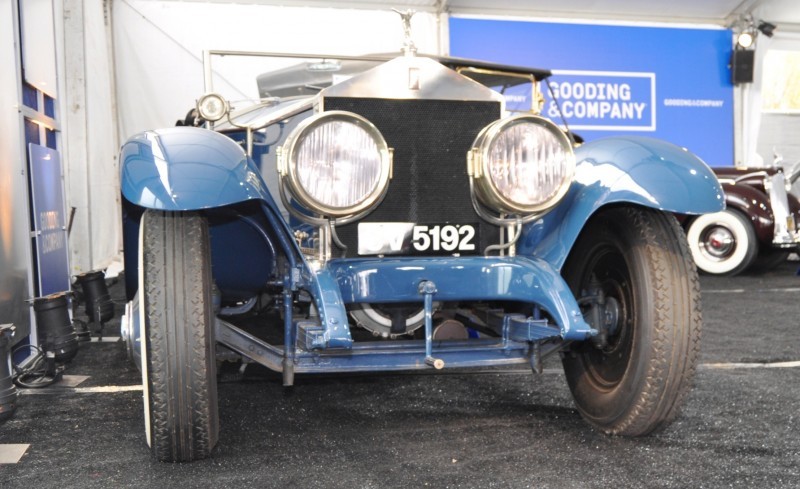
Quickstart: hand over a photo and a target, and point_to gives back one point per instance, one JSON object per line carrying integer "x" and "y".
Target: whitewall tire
{"x": 722, "y": 243}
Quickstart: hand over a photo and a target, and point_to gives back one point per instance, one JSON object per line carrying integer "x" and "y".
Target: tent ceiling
{"x": 784, "y": 13}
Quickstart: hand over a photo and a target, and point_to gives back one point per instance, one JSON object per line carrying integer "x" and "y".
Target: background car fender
{"x": 630, "y": 169}
{"x": 187, "y": 168}
{"x": 755, "y": 206}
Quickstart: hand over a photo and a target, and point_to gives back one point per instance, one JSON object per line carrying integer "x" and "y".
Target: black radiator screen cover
{"x": 430, "y": 140}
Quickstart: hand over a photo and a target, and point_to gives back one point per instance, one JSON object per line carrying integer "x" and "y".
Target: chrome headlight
{"x": 336, "y": 164}
{"x": 521, "y": 165}
{"x": 212, "y": 107}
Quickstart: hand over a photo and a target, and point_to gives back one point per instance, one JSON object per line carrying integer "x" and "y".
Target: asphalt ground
{"x": 739, "y": 428}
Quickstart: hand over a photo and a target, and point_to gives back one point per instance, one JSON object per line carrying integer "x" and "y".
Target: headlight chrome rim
{"x": 210, "y": 112}
{"x": 485, "y": 187}
{"x": 288, "y": 167}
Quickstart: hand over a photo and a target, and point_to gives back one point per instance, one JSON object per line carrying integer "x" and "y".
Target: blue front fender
{"x": 635, "y": 170}
{"x": 187, "y": 168}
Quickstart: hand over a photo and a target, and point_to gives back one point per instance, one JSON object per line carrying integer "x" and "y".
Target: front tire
{"x": 178, "y": 361}
{"x": 636, "y": 381}
{"x": 722, "y": 243}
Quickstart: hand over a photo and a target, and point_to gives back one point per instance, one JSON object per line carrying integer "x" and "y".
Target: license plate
{"x": 408, "y": 238}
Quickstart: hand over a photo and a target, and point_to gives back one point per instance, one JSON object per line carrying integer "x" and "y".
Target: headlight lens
{"x": 522, "y": 164}
{"x": 212, "y": 107}
{"x": 337, "y": 164}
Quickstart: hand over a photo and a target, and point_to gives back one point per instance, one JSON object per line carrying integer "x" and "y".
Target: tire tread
{"x": 181, "y": 368}
{"x": 672, "y": 353}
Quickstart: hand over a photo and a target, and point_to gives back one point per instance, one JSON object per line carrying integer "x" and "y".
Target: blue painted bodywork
{"x": 187, "y": 169}
{"x": 623, "y": 170}
{"x": 522, "y": 279}
{"x": 234, "y": 237}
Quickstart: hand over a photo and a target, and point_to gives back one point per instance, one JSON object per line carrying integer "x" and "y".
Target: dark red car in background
{"x": 758, "y": 228}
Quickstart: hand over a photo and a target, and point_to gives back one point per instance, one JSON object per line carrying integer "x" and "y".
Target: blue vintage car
{"x": 402, "y": 213}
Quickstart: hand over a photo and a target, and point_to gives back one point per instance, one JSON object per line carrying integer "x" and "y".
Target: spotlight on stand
{"x": 8, "y": 392}
{"x": 57, "y": 344}
{"x": 98, "y": 304}
{"x": 56, "y": 333}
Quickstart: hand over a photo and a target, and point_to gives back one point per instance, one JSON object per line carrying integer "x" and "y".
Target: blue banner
{"x": 604, "y": 100}
{"x": 669, "y": 83}
{"x": 50, "y": 230}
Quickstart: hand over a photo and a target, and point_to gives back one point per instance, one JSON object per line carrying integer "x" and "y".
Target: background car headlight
{"x": 212, "y": 107}
{"x": 337, "y": 164}
{"x": 522, "y": 164}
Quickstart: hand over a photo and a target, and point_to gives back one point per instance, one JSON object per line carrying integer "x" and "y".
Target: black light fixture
{"x": 98, "y": 304}
{"x": 767, "y": 28}
{"x": 748, "y": 29}
{"x": 742, "y": 62}
{"x": 56, "y": 333}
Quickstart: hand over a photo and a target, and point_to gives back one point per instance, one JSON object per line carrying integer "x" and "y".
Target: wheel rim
{"x": 717, "y": 243}
{"x": 606, "y": 366}
{"x": 722, "y": 243}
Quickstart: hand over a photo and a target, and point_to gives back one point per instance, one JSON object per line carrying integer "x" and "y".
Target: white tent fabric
{"x": 90, "y": 142}
{"x": 101, "y": 160}
{"x": 159, "y": 46}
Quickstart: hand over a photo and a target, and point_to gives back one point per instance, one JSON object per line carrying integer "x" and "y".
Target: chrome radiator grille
{"x": 430, "y": 140}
